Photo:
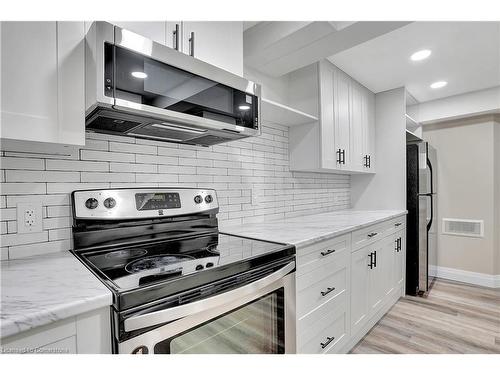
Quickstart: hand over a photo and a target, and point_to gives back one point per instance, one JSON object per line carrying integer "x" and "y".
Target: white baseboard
{"x": 476, "y": 278}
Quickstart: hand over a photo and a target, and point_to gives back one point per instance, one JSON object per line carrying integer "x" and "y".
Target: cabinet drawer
{"x": 41, "y": 336}
{"x": 368, "y": 235}
{"x": 365, "y": 236}
{"x": 396, "y": 224}
{"x": 320, "y": 286}
{"x": 321, "y": 253}
{"x": 64, "y": 346}
{"x": 324, "y": 330}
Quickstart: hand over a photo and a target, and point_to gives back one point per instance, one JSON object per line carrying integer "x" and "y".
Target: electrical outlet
{"x": 29, "y": 217}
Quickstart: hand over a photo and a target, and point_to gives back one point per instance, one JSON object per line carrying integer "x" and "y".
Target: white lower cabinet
{"x": 345, "y": 284}
{"x": 88, "y": 333}
{"x": 360, "y": 283}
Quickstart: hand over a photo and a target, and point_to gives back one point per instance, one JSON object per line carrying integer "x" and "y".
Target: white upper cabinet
{"x": 344, "y": 137}
{"x": 154, "y": 30}
{"x": 217, "y": 43}
{"x": 42, "y": 82}
{"x": 342, "y": 114}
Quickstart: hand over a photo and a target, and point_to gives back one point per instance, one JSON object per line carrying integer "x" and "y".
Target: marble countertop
{"x": 43, "y": 289}
{"x": 305, "y": 230}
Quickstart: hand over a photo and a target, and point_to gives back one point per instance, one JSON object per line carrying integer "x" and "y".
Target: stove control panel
{"x": 119, "y": 204}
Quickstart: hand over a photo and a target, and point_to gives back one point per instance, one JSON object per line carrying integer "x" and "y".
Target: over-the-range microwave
{"x": 140, "y": 88}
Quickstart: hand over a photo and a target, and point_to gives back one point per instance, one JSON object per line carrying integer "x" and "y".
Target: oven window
{"x": 255, "y": 328}
{"x": 143, "y": 80}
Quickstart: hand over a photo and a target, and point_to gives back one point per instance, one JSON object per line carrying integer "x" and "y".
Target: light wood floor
{"x": 452, "y": 318}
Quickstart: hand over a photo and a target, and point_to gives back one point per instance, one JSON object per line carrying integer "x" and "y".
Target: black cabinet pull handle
{"x": 399, "y": 244}
{"x": 371, "y": 260}
{"x": 176, "y": 36}
{"x": 398, "y": 224}
{"x": 328, "y": 290}
{"x": 343, "y": 157}
{"x": 339, "y": 159}
{"x": 327, "y": 342}
{"x": 191, "y": 44}
{"x": 369, "y": 161}
{"x": 327, "y": 252}
{"x": 375, "y": 259}
{"x": 373, "y": 234}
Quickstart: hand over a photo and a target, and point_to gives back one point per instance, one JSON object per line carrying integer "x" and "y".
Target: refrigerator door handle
{"x": 429, "y": 224}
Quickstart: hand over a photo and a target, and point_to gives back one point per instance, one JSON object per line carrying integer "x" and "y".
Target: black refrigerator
{"x": 421, "y": 203}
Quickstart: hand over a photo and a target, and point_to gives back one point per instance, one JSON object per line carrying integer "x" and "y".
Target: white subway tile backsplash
{"x": 153, "y": 159}
{"x": 8, "y": 214}
{"x": 45, "y": 200}
{"x": 59, "y": 234}
{"x": 7, "y": 188}
{"x": 132, "y": 148}
{"x": 21, "y": 163}
{"x": 136, "y": 168}
{"x": 106, "y": 156}
{"x": 41, "y": 176}
{"x": 58, "y": 211}
{"x": 57, "y": 222}
{"x": 107, "y": 177}
{"x": 58, "y": 188}
{"x": 76, "y": 165}
{"x": 24, "y": 238}
{"x": 23, "y": 251}
{"x": 251, "y": 176}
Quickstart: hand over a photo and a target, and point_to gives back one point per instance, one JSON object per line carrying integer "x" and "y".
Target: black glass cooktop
{"x": 127, "y": 268}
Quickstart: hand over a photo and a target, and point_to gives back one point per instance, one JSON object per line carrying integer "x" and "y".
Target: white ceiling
{"x": 465, "y": 54}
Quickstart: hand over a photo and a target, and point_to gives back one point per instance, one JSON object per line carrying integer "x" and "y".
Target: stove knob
{"x": 91, "y": 203}
{"x": 198, "y": 199}
{"x": 208, "y": 198}
{"x": 109, "y": 203}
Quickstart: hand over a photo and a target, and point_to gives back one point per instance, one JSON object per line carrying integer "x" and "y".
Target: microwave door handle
{"x": 168, "y": 315}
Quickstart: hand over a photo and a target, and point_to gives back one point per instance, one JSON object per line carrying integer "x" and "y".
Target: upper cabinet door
{"x": 369, "y": 137}
{"x": 326, "y": 87}
{"x": 341, "y": 107}
{"x": 42, "y": 74}
{"x": 358, "y": 121}
{"x": 152, "y": 30}
{"x": 217, "y": 43}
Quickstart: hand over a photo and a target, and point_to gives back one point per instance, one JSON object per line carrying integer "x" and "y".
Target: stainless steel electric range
{"x": 179, "y": 285}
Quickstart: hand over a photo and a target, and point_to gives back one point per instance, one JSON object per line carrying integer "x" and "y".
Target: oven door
{"x": 256, "y": 318}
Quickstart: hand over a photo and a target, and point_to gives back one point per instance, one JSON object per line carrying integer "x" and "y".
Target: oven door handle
{"x": 168, "y": 315}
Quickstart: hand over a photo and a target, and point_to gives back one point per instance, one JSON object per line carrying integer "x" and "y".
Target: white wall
{"x": 466, "y": 190}
{"x": 387, "y": 188}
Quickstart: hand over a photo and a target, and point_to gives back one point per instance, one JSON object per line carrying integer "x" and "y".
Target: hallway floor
{"x": 452, "y": 318}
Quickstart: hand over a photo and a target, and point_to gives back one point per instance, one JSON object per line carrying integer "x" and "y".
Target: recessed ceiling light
{"x": 141, "y": 75}
{"x": 439, "y": 84}
{"x": 421, "y": 55}
{"x": 244, "y": 107}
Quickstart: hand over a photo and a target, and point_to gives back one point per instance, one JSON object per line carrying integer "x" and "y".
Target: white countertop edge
{"x": 233, "y": 229}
